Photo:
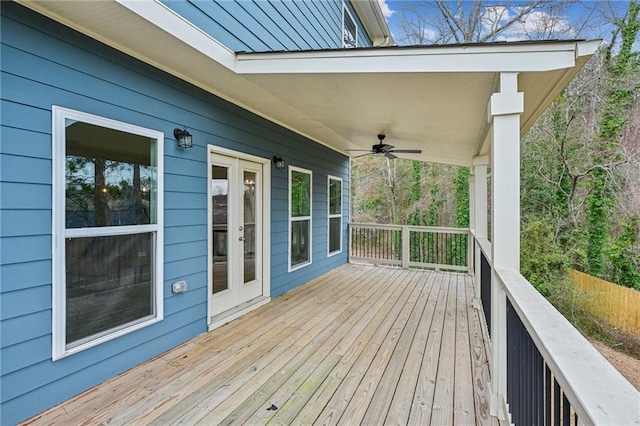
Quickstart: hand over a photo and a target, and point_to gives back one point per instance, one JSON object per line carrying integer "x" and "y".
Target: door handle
{"x": 240, "y": 238}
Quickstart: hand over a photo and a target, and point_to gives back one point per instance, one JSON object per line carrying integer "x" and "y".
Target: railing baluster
{"x": 556, "y": 402}
{"x": 566, "y": 411}
{"x": 547, "y": 395}
{"x": 539, "y": 386}
{"x": 485, "y": 289}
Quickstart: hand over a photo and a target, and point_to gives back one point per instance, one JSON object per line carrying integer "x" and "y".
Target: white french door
{"x": 236, "y": 250}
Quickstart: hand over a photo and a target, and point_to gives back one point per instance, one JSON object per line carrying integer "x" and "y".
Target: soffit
{"x": 434, "y": 99}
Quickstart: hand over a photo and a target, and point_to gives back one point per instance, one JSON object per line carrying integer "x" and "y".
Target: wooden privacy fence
{"x": 618, "y": 305}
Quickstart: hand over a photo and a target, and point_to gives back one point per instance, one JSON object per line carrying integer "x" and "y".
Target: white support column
{"x": 406, "y": 246}
{"x": 505, "y": 108}
{"x": 472, "y": 200}
{"x": 472, "y": 225}
{"x": 481, "y": 209}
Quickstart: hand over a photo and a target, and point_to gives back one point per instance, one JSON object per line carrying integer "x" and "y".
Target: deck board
{"x": 359, "y": 345}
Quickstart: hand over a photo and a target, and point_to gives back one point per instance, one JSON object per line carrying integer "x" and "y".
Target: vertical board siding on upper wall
{"x": 43, "y": 64}
{"x": 274, "y": 25}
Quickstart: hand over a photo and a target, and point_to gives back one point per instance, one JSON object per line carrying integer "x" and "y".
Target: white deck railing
{"x": 411, "y": 246}
{"x": 552, "y": 374}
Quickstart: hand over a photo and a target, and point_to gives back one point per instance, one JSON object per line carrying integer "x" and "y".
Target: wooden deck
{"x": 358, "y": 345}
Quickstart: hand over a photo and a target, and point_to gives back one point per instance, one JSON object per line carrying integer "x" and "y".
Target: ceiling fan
{"x": 386, "y": 149}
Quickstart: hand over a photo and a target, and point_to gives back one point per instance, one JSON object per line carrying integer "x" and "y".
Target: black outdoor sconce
{"x": 278, "y": 161}
{"x": 183, "y": 137}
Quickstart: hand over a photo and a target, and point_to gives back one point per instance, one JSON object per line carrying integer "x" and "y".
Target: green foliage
{"x": 542, "y": 261}
{"x": 416, "y": 186}
{"x": 462, "y": 197}
{"x": 622, "y": 253}
{"x": 612, "y": 124}
{"x": 597, "y": 226}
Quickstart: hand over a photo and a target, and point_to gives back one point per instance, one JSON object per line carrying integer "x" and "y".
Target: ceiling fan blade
{"x": 407, "y": 151}
{"x": 389, "y": 155}
{"x": 362, "y": 150}
{"x": 363, "y": 155}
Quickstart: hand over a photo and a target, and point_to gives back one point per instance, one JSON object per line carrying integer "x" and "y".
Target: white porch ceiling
{"x": 430, "y": 98}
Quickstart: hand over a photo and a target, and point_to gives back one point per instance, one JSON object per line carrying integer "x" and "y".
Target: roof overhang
{"x": 432, "y": 98}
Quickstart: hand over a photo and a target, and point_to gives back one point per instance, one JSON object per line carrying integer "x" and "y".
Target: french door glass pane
{"x": 220, "y": 191}
{"x": 299, "y": 242}
{"x": 249, "y": 227}
{"x": 109, "y": 283}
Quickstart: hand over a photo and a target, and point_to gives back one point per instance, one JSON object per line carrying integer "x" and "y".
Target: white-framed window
{"x": 300, "y": 212}
{"x": 107, "y": 229}
{"x": 334, "y": 204}
{"x": 349, "y": 28}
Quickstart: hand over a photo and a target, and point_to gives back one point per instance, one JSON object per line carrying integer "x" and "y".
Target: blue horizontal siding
{"x": 25, "y": 328}
{"x": 186, "y": 200}
{"x": 25, "y": 301}
{"x": 25, "y": 223}
{"x": 181, "y": 234}
{"x": 186, "y": 184}
{"x": 25, "y": 248}
{"x": 14, "y": 142}
{"x": 13, "y": 196}
{"x": 184, "y": 217}
{"x": 20, "y": 276}
{"x": 174, "y": 271}
{"x": 16, "y": 168}
{"x": 45, "y": 64}
{"x": 181, "y": 251}
{"x": 20, "y": 356}
{"x": 274, "y": 25}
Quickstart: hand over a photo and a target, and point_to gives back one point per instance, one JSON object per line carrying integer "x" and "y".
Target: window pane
{"x": 300, "y": 194}
{"x": 299, "y": 242}
{"x": 335, "y": 231}
{"x": 349, "y": 31}
{"x": 249, "y": 231}
{"x": 335, "y": 196}
{"x": 220, "y": 191}
{"x": 111, "y": 177}
{"x": 109, "y": 283}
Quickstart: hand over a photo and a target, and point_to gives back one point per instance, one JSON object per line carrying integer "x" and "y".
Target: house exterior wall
{"x": 44, "y": 64}
{"x": 263, "y": 26}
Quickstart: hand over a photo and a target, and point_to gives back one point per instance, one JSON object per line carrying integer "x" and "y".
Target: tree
{"x": 445, "y": 22}
{"x": 585, "y": 151}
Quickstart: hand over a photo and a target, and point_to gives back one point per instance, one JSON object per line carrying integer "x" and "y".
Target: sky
{"x": 583, "y": 19}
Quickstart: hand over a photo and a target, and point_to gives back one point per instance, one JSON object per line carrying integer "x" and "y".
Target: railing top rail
{"x": 375, "y": 226}
{"x": 438, "y": 229}
{"x": 443, "y": 230}
{"x": 485, "y": 247}
{"x": 596, "y": 390}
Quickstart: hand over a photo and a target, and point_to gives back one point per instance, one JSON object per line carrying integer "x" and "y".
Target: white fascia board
{"x": 171, "y": 22}
{"x": 498, "y": 58}
{"x": 587, "y": 48}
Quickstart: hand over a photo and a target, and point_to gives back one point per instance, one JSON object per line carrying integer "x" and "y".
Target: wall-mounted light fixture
{"x": 278, "y": 161}
{"x": 183, "y": 137}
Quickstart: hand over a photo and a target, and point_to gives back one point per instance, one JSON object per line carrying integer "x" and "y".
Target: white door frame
{"x": 214, "y": 322}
